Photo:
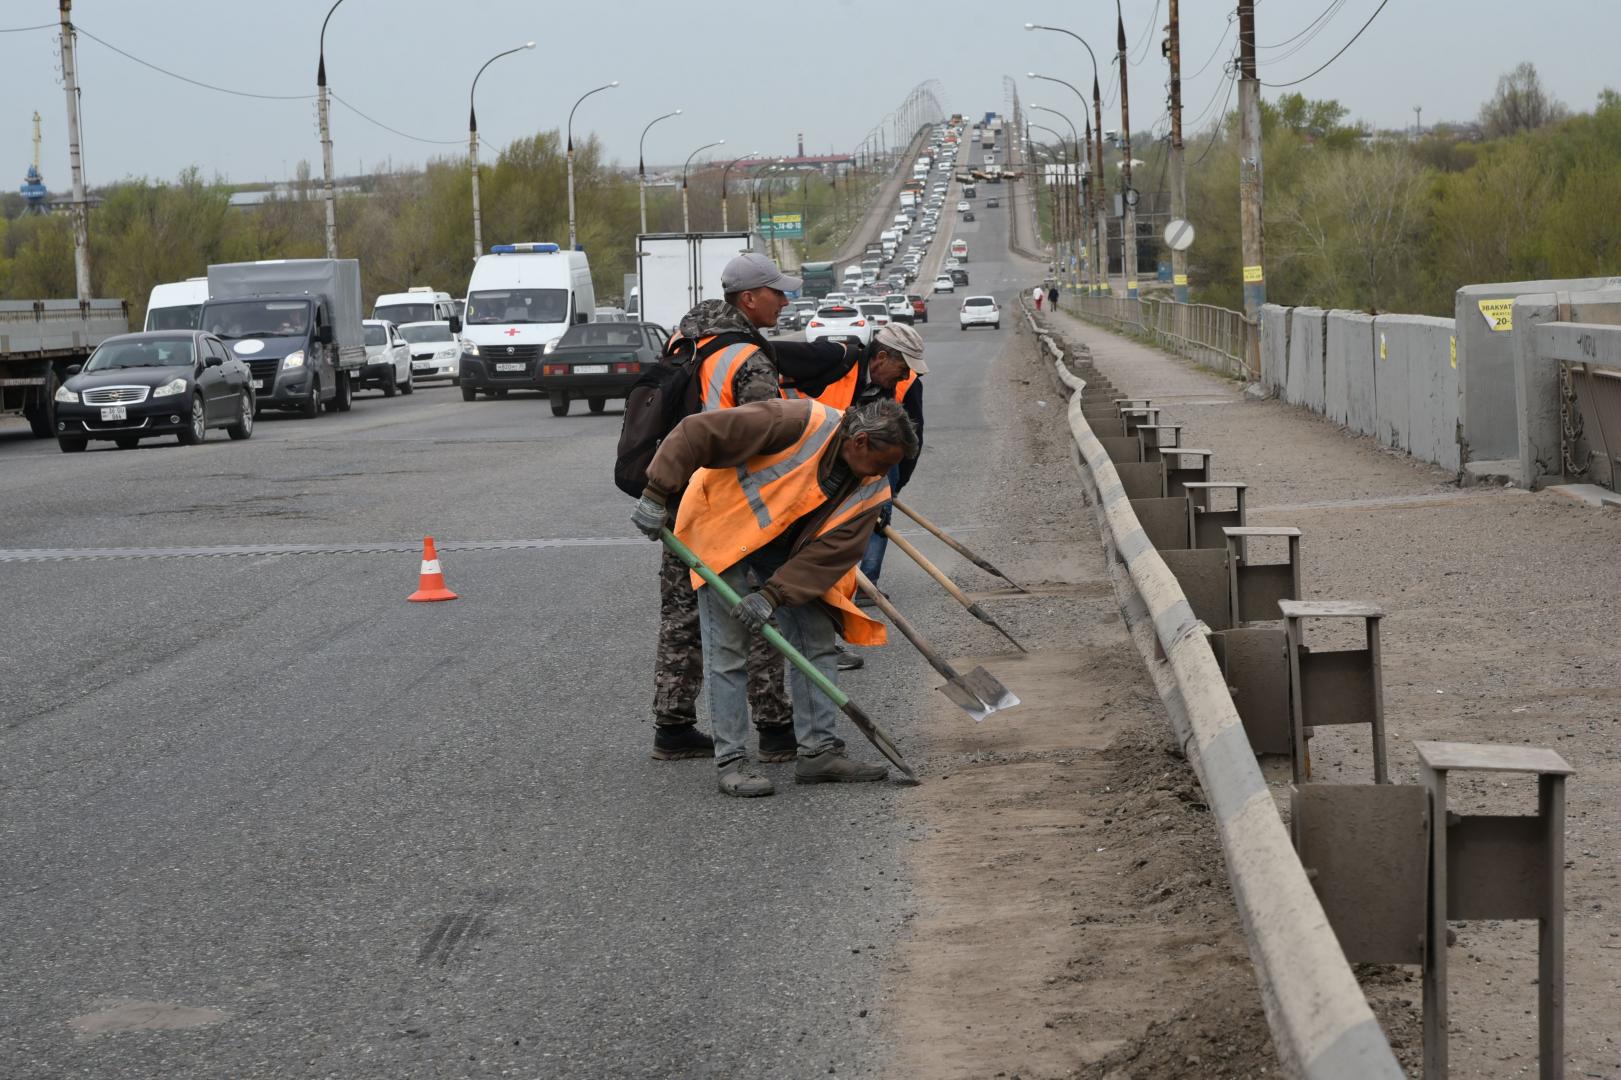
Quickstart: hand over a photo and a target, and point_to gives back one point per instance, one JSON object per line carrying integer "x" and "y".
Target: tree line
{"x": 405, "y": 228}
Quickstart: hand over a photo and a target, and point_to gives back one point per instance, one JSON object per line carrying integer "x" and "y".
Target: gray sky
{"x": 749, "y": 73}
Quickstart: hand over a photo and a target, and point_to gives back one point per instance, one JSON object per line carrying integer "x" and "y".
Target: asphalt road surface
{"x": 261, "y": 817}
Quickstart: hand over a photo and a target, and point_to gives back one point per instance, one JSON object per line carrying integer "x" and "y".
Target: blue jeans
{"x": 808, "y": 628}
{"x": 872, "y": 560}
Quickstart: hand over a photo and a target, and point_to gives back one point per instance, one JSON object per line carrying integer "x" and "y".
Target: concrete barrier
{"x": 1432, "y": 395}
{"x": 1321, "y": 1024}
{"x": 1304, "y": 383}
{"x": 1348, "y": 370}
{"x": 1390, "y": 381}
{"x": 1274, "y": 347}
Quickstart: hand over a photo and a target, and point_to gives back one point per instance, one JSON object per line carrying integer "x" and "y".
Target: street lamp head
{"x": 614, "y": 83}
{"x": 1031, "y": 75}
{"x": 1029, "y": 26}
{"x": 529, "y": 44}
{"x": 676, "y": 113}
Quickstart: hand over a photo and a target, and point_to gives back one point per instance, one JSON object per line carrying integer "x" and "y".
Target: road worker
{"x": 779, "y": 498}
{"x": 735, "y": 366}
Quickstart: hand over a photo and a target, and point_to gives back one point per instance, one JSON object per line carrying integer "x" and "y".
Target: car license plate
{"x": 115, "y": 412}
{"x": 509, "y": 367}
{"x": 590, "y": 369}
{"x": 258, "y": 384}
{"x": 425, "y": 365}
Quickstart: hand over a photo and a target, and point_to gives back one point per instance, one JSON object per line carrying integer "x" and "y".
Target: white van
{"x": 419, "y": 303}
{"x": 520, "y": 300}
{"x": 175, "y": 305}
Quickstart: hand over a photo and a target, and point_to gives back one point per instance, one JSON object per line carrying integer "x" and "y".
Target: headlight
{"x": 170, "y": 389}
{"x": 469, "y": 348}
{"x": 293, "y": 359}
{"x": 63, "y": 394}
{"x": 380, "y": 358}
{"x": 445, "y": 354}
{"x": 550, "y": 345}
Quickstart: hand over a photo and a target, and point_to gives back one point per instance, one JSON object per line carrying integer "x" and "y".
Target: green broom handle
{"x": 772, "y": 634}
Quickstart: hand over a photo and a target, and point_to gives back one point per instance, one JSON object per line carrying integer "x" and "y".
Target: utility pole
{"x": 1128, "y": 196}
{"x": 81, "y": 213}
{"x": 1100, "y": 190}
{"x": 1249, "y": 164}
{"x": 1179, "y": 181}
{"x": 323, "y": 112}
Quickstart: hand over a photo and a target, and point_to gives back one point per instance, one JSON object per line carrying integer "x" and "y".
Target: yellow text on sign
{"x": 1253, "y": 275}
{"x": 1499, "y": 314}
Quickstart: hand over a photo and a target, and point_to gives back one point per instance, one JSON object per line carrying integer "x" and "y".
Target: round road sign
{"x": 1178, "y": 234}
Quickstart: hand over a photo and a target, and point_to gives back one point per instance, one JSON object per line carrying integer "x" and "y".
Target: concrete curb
{"x": 1320, "y": 1020}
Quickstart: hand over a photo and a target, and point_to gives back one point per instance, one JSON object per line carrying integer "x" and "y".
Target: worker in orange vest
{"x": 779, "y": 498}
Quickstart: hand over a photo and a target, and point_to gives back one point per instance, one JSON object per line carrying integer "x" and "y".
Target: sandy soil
{"x": 1073, "y": 889}
{"x": 1501, "y": 626}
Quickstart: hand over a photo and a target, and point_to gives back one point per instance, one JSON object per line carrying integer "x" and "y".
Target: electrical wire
{"x": 1216, "y": 133}
{"x": 1219, "y": 42}
{"x": 385, "y": 127}
{"x": 1142, "y": 42}
{"x": 184, "y": 79}
{"x": 24, "y": 29}
{"x": 1307, "y": 36}
{"x": 1336, "y": 56}
{"x": 1228, "y": 71}
{"x": 1322, "y": 16}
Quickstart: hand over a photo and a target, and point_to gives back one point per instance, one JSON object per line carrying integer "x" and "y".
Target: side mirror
{"x": 323, "y": 333}
{"x": 74, "y": 369}
{"x": 455, "y": 324}
{"x": 581, "y": 317}
{"x": 212, "y": 361}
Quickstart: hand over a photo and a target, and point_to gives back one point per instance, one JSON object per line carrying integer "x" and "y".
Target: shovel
{"x": 978, "y": 693}
{"x": 950, "y": 586}
{"x": 960, "y": 549}
{"x": 872, "y": 731}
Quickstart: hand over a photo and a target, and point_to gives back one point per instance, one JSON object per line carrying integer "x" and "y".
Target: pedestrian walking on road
{"x": 1036, "y": 294}
{"x": 1052, "y": 297}
{"x": 779, "y": 498}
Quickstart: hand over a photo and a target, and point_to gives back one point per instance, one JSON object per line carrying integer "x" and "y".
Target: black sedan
{"x": 597, "y": 361}
{"x": 167, "y": 382}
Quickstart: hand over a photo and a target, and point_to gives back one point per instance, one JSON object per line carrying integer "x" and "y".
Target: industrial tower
{"x": 33, "y": 186}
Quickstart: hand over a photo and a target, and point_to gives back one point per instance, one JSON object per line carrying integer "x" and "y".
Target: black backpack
{"x": 660, "y": 398}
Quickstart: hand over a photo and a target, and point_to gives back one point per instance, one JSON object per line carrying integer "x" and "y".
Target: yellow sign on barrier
{"x": 1454, "y": 340}
{"x": 1499, "y": 314}
{"x": 1382, "y": 354}
{"x": 1180, "y": 279}
{"x": 1253, "y": 275}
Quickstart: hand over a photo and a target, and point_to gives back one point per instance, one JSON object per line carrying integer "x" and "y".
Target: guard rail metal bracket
{"x": 1258, "y": 588}
{"x": 1497, "y": 867}
{"x": 1344, "y": 686}
{"x": 1123, "y": 449}
{"x": 1151, "y": 438}
{"x": 1165, "y": 521}
{"x": 1208, "y": 522}
{"x": 1184, "y": 463}
{"x": 1134, "y": 417}
{"x": 1141, "y": 479}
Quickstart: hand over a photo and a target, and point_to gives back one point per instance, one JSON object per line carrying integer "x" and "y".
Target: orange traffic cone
{"x": 431, "y": 585}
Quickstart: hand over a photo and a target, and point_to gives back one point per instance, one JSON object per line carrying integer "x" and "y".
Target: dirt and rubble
{"x": 1500, "y": 626}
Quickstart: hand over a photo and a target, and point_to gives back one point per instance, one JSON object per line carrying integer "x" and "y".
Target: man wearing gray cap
{"x": 734, "y": 365}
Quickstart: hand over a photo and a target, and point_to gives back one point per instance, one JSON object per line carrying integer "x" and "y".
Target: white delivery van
{"x": 420, "y": 303}
{"x": 520, "y": 299}
{"x": 175, "y": 305}
{"x": 889, "y": 237}
{"x": 851, "y": 277}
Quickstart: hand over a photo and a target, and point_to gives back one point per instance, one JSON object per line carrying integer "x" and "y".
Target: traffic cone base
{"x": 431, "y": 582}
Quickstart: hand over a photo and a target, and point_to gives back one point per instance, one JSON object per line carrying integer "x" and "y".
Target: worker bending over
{"x": 779, "y": 498}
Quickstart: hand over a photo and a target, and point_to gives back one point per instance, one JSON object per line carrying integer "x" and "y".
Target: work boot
{"x": 832, "y": 767}
{"x": 739, "y": 778}
{"x": 671, "y": 742}
{"x": 847, "y": 660}
{"x": 778, "y": 743}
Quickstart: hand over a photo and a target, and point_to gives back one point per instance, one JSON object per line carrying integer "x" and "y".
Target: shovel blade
{"x": 989, "y": 689}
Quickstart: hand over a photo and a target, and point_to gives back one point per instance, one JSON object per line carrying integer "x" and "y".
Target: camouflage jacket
{"x": 756, "y": 378}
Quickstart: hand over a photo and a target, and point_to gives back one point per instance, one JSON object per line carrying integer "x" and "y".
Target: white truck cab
{"x": 520, "y": 300}
{"x": 419, "y": 303}
{"x": 175, "y": 305}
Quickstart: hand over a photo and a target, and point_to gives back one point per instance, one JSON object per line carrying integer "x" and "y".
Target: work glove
{"x": 754, "y": 611}
{"x": 650, "y": 515}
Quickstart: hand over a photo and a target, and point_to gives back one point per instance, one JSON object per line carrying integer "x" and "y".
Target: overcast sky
{"x": 753, "y": 74}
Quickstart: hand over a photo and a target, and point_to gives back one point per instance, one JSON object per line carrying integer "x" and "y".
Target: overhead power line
{"x": 24, "y": 29}
{"x": 1322, "y": 17}
{"x": 187, "y": 79}
{"x": 1142, "y": 42}
{"x": 1213, "y": 52}
{"x": 1216, "y": 134}
{"x": 1336, "y": 56}
{"x": 385, "y": 127}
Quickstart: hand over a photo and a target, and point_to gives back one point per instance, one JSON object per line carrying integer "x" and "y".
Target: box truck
{"x": 678, "y": 270}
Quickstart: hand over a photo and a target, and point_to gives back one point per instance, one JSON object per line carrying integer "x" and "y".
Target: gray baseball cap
{"x": 905, "y": 342}
{"x": 752, "y": 270}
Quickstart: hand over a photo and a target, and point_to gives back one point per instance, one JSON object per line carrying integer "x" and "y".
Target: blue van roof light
{"x": 530, "y": 248}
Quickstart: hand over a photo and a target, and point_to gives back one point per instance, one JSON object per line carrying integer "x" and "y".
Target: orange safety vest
{"x": 728, "y": 514}
{"x": 840, "y": 394}
{"x": 718, "y": 372}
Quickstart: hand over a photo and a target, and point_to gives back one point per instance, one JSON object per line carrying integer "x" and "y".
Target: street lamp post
{"x": 725, "y": 224}
{"x": 323, "y": 110}
{"x": 472, "y": 145}
{"x": 1082, "y": 97}
{"x": 686, "y": 221}
{"x": 572, "y": 240}
{"x": 1098, "y": 193}
{"x": 1128, "y": 196}
{"x": 1076, "y": 137}
{"x": 641, "y": 163}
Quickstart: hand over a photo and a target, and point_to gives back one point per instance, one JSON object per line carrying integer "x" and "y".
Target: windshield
{"x": 490, "y": 307}
{"x": 376, "y": 335}
{"x": 173, "y": 318}
{"x": 426, "y": 332}
{"x": 619, "y": 335}
{"x": 257, "y": 318}
{"x": 159, "y": 352}
{"x": 873, "y": 309}
{"x": 979, "y": 301}
{"x": 403, "y": 313}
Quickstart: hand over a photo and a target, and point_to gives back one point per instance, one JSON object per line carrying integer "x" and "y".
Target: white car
{"x": 388, "y": 359}
{"x": 962, "y": 207}
{"x": 835, "y": 298}
{"x": 943, "y": 283}
{"x": 840, "y": 322}
{"x": 435, "y": 352}
{"x": 876, "y": 311}
{"x": 979, "y": 311}
{"x": 900, "y": 308}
